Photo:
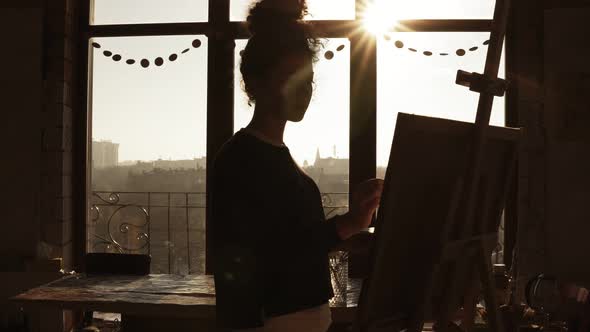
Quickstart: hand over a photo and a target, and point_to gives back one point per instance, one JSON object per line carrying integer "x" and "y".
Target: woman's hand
{"x": 364, "y": 202}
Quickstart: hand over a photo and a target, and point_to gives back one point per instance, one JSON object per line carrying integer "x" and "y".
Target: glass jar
{"x": 339, "y": 277}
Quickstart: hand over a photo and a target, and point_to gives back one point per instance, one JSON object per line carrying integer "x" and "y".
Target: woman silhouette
{"x": 270, "y": 237}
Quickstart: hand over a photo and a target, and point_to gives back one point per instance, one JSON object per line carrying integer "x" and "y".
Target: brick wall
{"x": 57, "y": 130}
{"x": 21, "y": 32}
{"x": 37, "y": 80}
{"x": 36, "y": 131}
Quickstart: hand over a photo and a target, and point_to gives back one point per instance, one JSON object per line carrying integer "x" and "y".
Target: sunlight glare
{"x": 379, "y": 16}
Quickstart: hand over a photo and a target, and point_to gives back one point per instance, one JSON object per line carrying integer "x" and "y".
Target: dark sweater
{"x": 270, "y": 237}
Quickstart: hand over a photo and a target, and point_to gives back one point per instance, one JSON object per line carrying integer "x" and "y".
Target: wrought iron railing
{"x": 169, "y": 226}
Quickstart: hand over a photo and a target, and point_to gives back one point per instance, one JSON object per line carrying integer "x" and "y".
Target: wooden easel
{"x": 475, "y": 249}
{"x": 466, "y": 239}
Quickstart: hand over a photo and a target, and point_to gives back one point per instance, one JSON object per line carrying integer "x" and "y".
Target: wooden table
{"x": 149, "y": 303}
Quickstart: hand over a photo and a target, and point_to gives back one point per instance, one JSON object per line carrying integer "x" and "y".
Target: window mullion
{"x": 220, "y": 96}
{"x": 363, "y": 111}
{"x": 363, "y": 105}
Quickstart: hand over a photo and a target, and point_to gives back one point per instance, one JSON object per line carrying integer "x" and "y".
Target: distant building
{"x": 105, "y": 154}
{"x": 196, "y": 163}
{"x": 331, "y": 166}
{"x": 331, "y": 174}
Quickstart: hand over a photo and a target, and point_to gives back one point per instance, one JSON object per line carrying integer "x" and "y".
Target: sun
{"x": 379, "y": 16}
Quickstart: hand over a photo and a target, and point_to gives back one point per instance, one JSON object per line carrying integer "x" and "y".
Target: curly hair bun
{"x": 278, "y": 31}
{"x": 268, "y": 16}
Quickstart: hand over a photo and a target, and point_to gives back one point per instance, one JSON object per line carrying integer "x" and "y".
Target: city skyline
{"x": 102, "y": 147}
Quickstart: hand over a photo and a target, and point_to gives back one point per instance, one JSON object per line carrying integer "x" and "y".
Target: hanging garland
{"x": 145, "y": 63}
{"x": 459, "y": 52}
{"x": 329, "y": 55}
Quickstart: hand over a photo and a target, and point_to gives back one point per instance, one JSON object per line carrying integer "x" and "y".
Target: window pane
{"x": 148, "y": 11}
{"x": 320, "y": 143}
{"x": 392, "y": 10}
{"x": 148, "y": 149}
{"x": 412, "y": 82}
{"x": 318, "y": 9}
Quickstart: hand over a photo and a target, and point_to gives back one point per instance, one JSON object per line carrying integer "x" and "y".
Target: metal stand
{"x": 470, "y": 255}
{"x": 488, "y": 86}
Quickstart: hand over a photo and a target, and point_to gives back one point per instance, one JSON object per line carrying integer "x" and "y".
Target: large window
{"x": 153, "y": 128}
{"x": 148, "y": 101}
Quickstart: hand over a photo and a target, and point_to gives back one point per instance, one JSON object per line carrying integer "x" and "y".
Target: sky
{"x": 160, "y": 112}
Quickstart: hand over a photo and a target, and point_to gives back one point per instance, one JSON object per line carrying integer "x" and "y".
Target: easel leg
{"x": 488, "y": 284}
{"x": 470, "y": 306}
{"x": 448, "y": 309}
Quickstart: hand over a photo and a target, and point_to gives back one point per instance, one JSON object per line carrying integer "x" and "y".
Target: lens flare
{"x": 379, "y": 16}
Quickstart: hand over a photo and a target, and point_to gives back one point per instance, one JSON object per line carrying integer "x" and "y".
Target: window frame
{"x": 221, "y": 33}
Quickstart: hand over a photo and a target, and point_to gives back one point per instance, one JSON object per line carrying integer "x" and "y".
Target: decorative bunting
{"x": 145, "y": 63}
{"x": 329, "y": 55}
{"x": 459, "y": 52}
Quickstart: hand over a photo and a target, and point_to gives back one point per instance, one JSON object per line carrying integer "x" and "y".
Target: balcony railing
{"x": 169, "y": 226}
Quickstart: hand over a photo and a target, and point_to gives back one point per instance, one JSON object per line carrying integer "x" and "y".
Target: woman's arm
{"x": 325, "y": 236}
{"x": 365, "y": 201}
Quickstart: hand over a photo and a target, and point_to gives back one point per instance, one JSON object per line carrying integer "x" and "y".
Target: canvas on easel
{"x": 438, "y": 220}
{"x": 419, "y": 221}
